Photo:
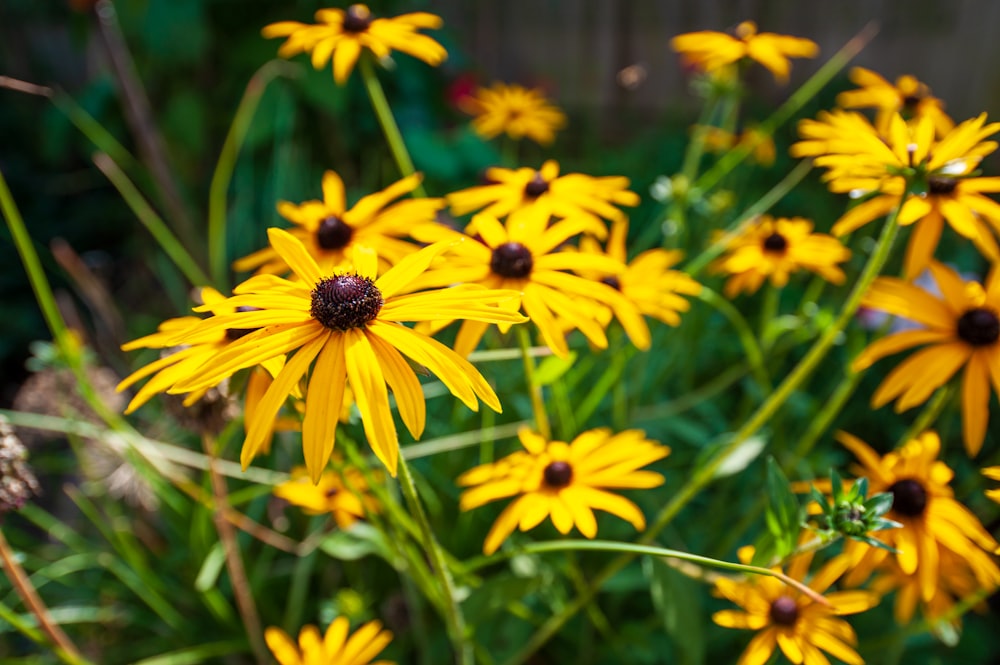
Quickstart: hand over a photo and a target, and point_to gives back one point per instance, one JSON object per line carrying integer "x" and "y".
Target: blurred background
{"x": 165, "y": 78}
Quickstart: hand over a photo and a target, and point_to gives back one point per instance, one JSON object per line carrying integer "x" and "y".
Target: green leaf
{"x": 356, "y": 543}
{"x": 784, "y": 514}
{"x": 677, "y": 600}
{"x": 740, "y": 458}
{"x": 551, "y": 368}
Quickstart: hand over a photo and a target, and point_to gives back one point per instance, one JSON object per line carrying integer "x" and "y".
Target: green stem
{"x": 537, "y": 402}
{"x": 152, "y": 221}
{"x": 704, "y": 475}
{"x": 223, "y": 174}
{"x": 929, "y": 414}
{"x": 453, "y": 612}
{"x": 385, "y": 118}
{"x": 821, "y": 423}
{"x": 745, "y": 334}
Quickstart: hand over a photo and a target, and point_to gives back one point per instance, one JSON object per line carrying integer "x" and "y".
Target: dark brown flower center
{"x": 940, "y": 184}
{"x": 343, "y": 302}
{"x": 512, "y": 259}
{"x": 536, "y": 186}
{"x": 357, "y": 18}
{"x": 233, "y": 334}
{"x": 613, "y": 282}
{"x": 909, "y": 498}
{"x": 784, "y": 611}
{"x": 558, "y": 474}
{"x": 333, "y": 233}
{"x": 332, "y": 492}
{"x": 775, "y": 243}
{"x": 979, "y": 326}
{"x": 910, "y": 102}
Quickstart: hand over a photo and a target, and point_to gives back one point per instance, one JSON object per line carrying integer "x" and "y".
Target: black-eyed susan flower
{"x": 936, "y": 177}
{"x": 339, "y": 493}
{"x": 349, "y": 323}
{"x": 564, "y": 481}
{"x": 335, "y": 647}
{"x": 179, "y": 361}
{"x": 787, "y": 619}
{"x": 570, "y": 195}
{"x": 329, "y": 229}
{"x": 935, "y": 529}
{"x": 514, "y": 110}
{"x": 773, "y": 249}
{"x": 711, "y": 51}
{"x": 960, "y": 329}
{"x": 908, "y": 96}
{"x": 524, "y": 256}
{"x": 344, "y": 33}
{"x": 648, "y": 283}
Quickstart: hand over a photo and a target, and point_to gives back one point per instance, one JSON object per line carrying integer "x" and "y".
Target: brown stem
{"x": 234, "y": 564}
{"x": 26, "y": 590}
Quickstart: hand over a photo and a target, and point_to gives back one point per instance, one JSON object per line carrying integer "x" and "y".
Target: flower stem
{"x": 65, "y": 649}
{"x": 704, "y": 475}
{"x": 930, "y": 413}
{"x": 537, "y": 402}
{"x": 743, "y": 331}
{"x": 453, "y": 612}
{"x": 385, "y": 118}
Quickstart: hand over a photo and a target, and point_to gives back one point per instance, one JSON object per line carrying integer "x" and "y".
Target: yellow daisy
{"x": 350, "y": 324}
{"x": 712, "y": 51}
{"x": 564, "y": 481}
{"x": 342, "y": 494}
{"x": 523, "y": 256}
{"x": 648, "y": 283}
{"x": 788, "y": 619}
{"x": 938, "y": 173}
{"x": 344, "y": 33}
{"x": 773, "y": 249}
{"x": 961, "y": 329}
{"x": 329, "y": 229}
{"x": 332, "y": 648}
{"x": 573, "y": 194}
{"x": 935, "y": 525}
{"x": 907, "y": 96}
{"x": 515, "y": 111}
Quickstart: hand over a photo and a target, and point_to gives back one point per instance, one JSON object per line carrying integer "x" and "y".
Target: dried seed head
{"x": 17, "y": 482}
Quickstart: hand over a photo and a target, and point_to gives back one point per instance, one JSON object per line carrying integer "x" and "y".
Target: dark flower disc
{"x": 536, "y": 186}
{"x": 979, "y": 326}
{"x": 357, "y": 18}
{"x": 343, "y": 302}
{"x": 333, "y": 233}
{"x": 512, "y": 259}
{"x": 909, "y": 498}
{"x": 775, "y": 243}
{"x": 784, "y": 611}
{"x": 558, "y": 474}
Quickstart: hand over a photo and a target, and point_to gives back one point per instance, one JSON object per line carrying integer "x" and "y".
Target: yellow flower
{"x": 648, "y": 283}
{"x": 515, "y": 111}
{"x": 344, "y": 33}
{"x": 860, "y": 159}
{"x": 573, "y": 194}
{"x": 522, "y": 256}
{"x": 908, "y": 97}
{"x": 961, "y": 329}
{"x": 564, "y": 481}
{"x": 761, "y": 145}
{"x": 329, "y": 229}
{"x": 179, "y": 361}
{"x": 936, "y": 528}
{"x": 790, "y": 620}
{"x": 993, "y": 473}
{"x": 350, "y": 324}
{"x": 712, "y": 51}
{"x": 776, "y": 248}
{"x": 332, "y": 648}
{"x": 339, "y": 493}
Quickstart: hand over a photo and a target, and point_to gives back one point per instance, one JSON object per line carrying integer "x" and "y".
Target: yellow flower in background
{"x": 341, "y": 493}
{"x": 515, "y": 111}
{"x": 936, "y": 529}
{"x": 786, "y": 618}
{"x": 648, "y": 283}
{"x": 329, "y": 229}
{"x": 523, "y": 256}
{"x": 180, "y": 361}
{"x": 942, "y": 188}
{"x": 907, "y": 96}
{"x": 993, "y": 473}
{"x": 350, "y": 324}
{"x": 773, "y": 249}
{"x": 332, "y": 648}
{"x": 961, "y": 329}
{"x": 761, "y": 144}
{"x": 712, "y": 51}
{"x": 564, "y": 481}
{"x": 343, "y": 34}
{"x": 570, "y": 195}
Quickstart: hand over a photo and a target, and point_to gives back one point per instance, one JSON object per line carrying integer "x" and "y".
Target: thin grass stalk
{"x": 535, "y": 390}
{"x": 754, "y": 355}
